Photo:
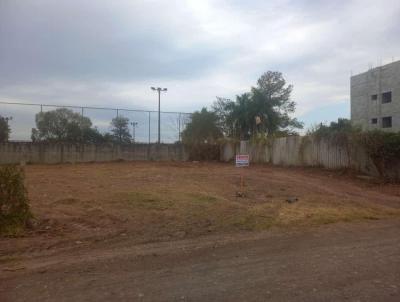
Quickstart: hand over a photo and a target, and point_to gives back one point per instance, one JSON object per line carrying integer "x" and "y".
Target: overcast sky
{"x": 109, "y": 53}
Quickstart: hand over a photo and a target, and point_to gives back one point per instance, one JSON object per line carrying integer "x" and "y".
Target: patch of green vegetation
{"x": 253, "y": 218}
{"x": 66, "y": 201}
{"x": 12, "y": 230}
{"x": 253, "y": 222}
{"x": 167, "y": 200}
{"x": 311, "y": 213}
{"x": 201, "y": 198}
{"x": 384, "y": 150}
{"x": 14, "y": 207}
{"x": 308, "y": 213}
{"x": 199, "y": 213}
{"x": 147, "y": 200}
{"x": 8, "y": 259}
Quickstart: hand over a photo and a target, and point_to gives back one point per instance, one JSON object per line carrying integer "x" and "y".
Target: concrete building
{"x": 375, "y": 98}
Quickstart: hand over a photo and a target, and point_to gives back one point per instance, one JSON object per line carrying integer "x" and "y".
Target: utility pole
{"x": 159, "y": 89}
{"x": 134, "y": 125}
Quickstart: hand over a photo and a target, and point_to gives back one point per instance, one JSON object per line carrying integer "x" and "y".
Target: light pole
{"x": 8, "y": 118}
{"x": 134, "y": 124}
{"x": 159, "y": 89}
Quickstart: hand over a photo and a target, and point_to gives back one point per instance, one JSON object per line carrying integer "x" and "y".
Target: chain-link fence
{"x": 143, "y": 125}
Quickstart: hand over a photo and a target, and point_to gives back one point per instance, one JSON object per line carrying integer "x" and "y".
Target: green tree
{"x": 201, "y": 135}
{"x": 92, "y": 135}
{"x": 272, "y": 104}
{"x": 266, "y": 109}
{"x": 120, "y": 129}
{"x": 4, "y": 129}
{"x": 64, "y": 125}
{"x": 203, "y": 128}
{"x": 222, "y": 107}
{"x": 235, "y": 118}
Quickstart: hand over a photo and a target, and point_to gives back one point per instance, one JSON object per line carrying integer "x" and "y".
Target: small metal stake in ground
{"x": 242, "y": 161}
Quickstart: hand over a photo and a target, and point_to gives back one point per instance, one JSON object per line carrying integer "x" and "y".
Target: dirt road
{"x": 354, "y": 262}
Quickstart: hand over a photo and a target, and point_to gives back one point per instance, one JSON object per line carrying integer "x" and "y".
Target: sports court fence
{"x": 143, "y": 124}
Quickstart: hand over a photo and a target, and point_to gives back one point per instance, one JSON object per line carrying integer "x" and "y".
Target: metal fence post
{"x": 179, "y": 128}
{"x": 149, "y": 126}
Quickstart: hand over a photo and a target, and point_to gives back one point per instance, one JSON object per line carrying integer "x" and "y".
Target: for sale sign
{"x": 242, "y": 160}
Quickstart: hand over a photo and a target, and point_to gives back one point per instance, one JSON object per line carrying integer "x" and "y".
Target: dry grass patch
{"x": 197, "y": 212}
{"x": 314, "y": 213}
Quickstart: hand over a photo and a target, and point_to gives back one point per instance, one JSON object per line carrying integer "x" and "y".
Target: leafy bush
{"x": 203, "y": 151}
{"x": 384, "y": 150}
{"x": 14, "y": 207}
{"x": 341, "y": 132}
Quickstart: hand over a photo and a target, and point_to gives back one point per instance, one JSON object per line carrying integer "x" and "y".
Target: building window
{"x": 386, "y": 97}
{"x": 387, "y": 122}
{"x": 374, "y": 97}
{"x": 374, "y": 121}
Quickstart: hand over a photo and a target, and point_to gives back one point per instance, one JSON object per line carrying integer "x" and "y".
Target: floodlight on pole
{"x": 8, "y": 118}
{"x": 159, "y": 89}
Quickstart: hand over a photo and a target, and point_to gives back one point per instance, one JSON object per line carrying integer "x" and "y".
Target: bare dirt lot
{"x": 149, "y": 231}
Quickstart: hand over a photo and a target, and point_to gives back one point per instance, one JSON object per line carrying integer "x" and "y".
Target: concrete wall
{"x": 304, "y": 151}
{"x": 375, "y": 82}
{"x": 46, "y": 153}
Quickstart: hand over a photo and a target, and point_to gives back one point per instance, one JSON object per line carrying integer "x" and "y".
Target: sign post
{"x": 241, "y": 161}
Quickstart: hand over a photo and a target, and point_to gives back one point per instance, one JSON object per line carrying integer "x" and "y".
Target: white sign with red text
{"x": 242, "y": 160}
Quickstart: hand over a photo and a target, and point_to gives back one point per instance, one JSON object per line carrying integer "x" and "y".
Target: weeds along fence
{"x": 306, "y": 151}
{"x": 145, "y": 131}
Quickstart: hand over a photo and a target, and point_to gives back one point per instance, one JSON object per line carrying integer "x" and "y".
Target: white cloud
{"x": 101, "y": 53}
